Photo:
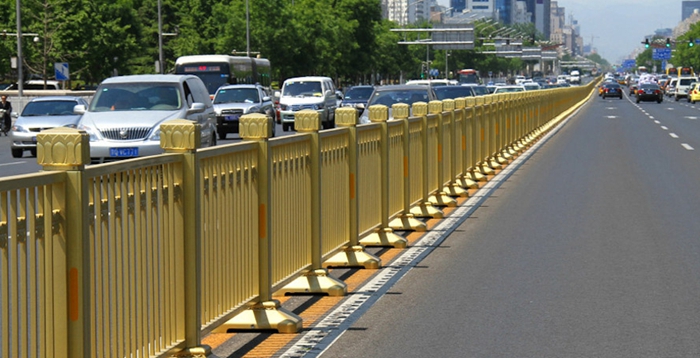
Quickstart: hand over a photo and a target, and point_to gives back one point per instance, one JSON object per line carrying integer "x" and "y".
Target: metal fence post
{"x": 405, "y": 221}
{"x": 354, "y": 254}
{"x": 315, "y": 280}
{"x": 450, "y": 187}
{"x": 184, "y": 137}
{"x": 68, "y": 150}
{"x": 265, "y": 313}
{"x": 384, "y": 236}
{"x": 425, "y": 208}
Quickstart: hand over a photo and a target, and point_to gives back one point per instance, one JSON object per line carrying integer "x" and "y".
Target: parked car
{"x": 311, "y": 92}
{"x": 124, "y": 117}
{"x": 233, "y": 101}
{"x": 357, "y": 97}
{"x": 611, "y": 89}
{"x": 392, "y": 94}
{"x": 39, "y": 114}
{"x": 509, "y": 88}
{"x": 649, "y": 92}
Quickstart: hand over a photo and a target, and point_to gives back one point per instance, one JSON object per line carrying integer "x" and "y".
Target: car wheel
{"x": 274, "y": 125}
{"x": 222, "y": 135}
{"x": 677, "y": 98}
{"x": 285, "y": 127}
{"x": 33, "y": 152}
{"x": 637, "y": 100}
{"x": 658, "y": 101}
{"x": 212, "y": 141}
{"x": 17, "y": 153}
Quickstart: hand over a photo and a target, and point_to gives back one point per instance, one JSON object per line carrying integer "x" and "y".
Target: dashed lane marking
{"x": 673, "y": 135}
{"x": 664, "y": 128}
{"x": 687, "y": 146}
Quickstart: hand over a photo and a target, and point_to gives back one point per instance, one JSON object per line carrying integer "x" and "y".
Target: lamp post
{"x": 160, "y": 39}
{"x": 20, "y": 81}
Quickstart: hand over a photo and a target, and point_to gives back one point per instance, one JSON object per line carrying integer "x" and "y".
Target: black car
{"x": 392, "y": 94}
{"x": 611, "y": 89}
{"x": 452, "y": 92}
{"x": 357, "y": 97}
{"x": 649, "y": 92}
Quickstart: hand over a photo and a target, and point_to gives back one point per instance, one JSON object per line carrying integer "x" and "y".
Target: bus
{"x": 218, "y": 70}
{"x": 468, "y": 76}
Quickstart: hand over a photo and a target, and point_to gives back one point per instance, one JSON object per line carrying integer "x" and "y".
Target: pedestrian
{"x": 6, "y": 109}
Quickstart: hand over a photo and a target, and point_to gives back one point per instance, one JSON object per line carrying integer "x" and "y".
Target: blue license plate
{"x": 123, "y": 152}
{"x": 34, "y": 139}
{"x": 233, "y": 117}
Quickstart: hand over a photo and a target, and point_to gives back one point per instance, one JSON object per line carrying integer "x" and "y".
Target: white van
{"x": 312, "y": 92}
{"x": 682, "y": 86}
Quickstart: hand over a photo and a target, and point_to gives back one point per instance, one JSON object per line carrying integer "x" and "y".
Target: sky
{"x": 617, "y": 27}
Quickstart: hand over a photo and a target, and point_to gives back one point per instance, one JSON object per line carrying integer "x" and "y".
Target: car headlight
{"x": 254, "y": 109}
{"x": 93, "y": 132}
{"x": 284, "y": 107}
{"x": 17, "y": 128}
{"x": 155, "y": 135}
{"x": 318, "y": 106}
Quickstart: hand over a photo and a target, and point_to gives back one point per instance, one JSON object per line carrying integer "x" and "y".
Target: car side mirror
{"x": 278, "y": 94}
{"x": 197, "y": 107}
{"x": 266, "y": 98}
{"x": 14, "y": 115}
{"x": 79, "y": 109}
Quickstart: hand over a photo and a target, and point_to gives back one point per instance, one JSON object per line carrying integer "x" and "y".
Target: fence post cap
{"x": 307, "y": 120}
{"x": 255, "y": 126}
{"x": 400, "y": 110}
{"x": 448, "y": 105}
{"x": 378, "y": 113}
{"x": 63, "y": 148}
{"x": 420, "y": 109}
{"x": 180, "y": 135}
{"x": 435, "y": 107}
{"x": 346, "y": 117}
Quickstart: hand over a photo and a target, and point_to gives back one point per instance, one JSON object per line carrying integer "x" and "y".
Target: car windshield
{"x": 451, "y": 92}
{"x": 49, "y": 108}
{"x": 408, "y": 96}
{"x": 509, "y": 89}
{"x": 361, "y": 93}
{"x": 612, "y": 85}
{"x": 237, "y": 95}
{"x": 650, "y": 87}
{"x": 686, "y": 81}
{"x": 302, "y": 89}
{"x": 480, "y": 90}
{"x": 136, "y": 97}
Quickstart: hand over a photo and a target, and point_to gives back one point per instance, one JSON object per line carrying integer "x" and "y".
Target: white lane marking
{"x": 611, "y": 117}
{"x": 670, "y": 109}
{"x": 687, "y": 146}
{"x": 657, "y": 122}
{"x": 664, "y": 128}
{"x": 690, "y": 117}
{"x": 673, "y": 135}
{"x": 651, "y": 117}
{"x": 13, "y": 163}
{"x": 611, "y": 108}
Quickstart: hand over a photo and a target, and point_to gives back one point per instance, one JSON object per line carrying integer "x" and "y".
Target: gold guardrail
{"x": 144, "y": 256}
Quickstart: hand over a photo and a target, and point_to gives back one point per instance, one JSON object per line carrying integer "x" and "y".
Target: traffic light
{"x": 646, "y": 43}
{"x": 668, "y": 42}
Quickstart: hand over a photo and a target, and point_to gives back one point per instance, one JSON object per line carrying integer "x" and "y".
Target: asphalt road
{"x": 590, "y": 248}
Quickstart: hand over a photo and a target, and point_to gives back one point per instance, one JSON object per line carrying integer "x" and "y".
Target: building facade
{"x": 687, "y": 8}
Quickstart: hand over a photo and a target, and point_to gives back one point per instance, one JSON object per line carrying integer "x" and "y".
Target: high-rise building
{"x": 504, "y": 9}
{"x": 687, "y": 8}
{"x": 458, "y": 5}
{"x": 540, "y": 10}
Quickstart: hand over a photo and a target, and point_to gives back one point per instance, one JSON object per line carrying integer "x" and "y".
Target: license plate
{"x": 34, "y": 139}
{"x": 123, "y": 152}
{"x": 233, "y": 117}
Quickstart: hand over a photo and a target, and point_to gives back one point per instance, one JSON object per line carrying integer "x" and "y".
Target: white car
{"x": 124, "y": 118}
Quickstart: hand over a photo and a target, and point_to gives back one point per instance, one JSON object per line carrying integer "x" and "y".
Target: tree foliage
{"x": 344, "y": 39}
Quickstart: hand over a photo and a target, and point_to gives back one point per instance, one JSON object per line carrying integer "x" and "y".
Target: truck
{"x": 575, "y": 77}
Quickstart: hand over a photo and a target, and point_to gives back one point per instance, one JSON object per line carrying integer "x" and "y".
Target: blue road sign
{"x": 661, "y": 54}
{"x": 61, "y": 71}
